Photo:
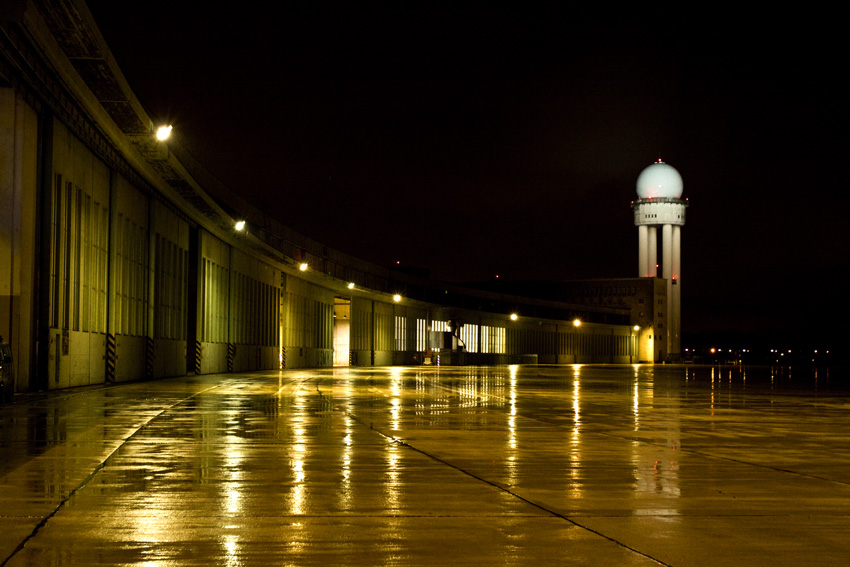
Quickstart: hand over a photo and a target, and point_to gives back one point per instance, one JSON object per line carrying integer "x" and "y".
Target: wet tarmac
{"x": 528, "y": 465}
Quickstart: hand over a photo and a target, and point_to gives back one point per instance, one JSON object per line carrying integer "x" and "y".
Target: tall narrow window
{"x": 420, "y": 335}
{"x": 469, "y": 337}
{"x": 400, "y": 333}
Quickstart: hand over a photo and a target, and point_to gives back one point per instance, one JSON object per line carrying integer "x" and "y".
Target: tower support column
{"x": 675, "y": 300}
{"x": 667, "y": 251}
{"x": 652, "y": 272}
{"x": 667, "y": 273}
{"x": 643, "y": 251}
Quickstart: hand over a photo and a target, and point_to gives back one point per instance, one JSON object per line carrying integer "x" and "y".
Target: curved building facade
{"x": 121, "y": 259}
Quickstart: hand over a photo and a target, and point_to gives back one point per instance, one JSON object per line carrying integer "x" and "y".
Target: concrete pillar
{"x": 111, "y": 279}
{"x": 372, "y": 336}
{"x": 676, "y": 245}
{"x": 667, "y": 251}
{"x": 194, "y": 305}
{"x": 667, "y": 272}
{"x": 675, "y": 300}
{"x": 653, "y": 252}
{"x": 643, "y": 251}
{"x": 150, "y": 321}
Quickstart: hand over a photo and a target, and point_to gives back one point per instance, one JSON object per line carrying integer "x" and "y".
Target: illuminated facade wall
{"x": 491, "y": 339}
{"x": 383, "y": 327}
{"x": 239, "y": 298}
{"x": 645, "y": 298}
{"x": 361, "y": 341}
{"x": 307, "y": 330}
{"x": 170, "y": 284}
{"x": 409, "y": 334}
{"x": 78, "y": 261}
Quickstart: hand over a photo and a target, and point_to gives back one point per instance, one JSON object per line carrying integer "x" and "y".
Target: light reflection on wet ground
{"x": 580, "y": 465}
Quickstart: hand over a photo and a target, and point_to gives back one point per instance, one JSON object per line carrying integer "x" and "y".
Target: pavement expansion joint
{"x": 512, "y": 493}
{"x": 100, "y": 466}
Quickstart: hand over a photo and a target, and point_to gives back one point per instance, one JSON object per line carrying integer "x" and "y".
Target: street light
{"x": 163, "y": 132}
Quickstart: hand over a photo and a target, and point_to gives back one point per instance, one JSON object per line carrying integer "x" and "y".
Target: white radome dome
{"x": 659, "y": 180}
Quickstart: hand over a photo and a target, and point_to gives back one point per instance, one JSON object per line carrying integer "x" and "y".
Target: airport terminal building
{"x": 122, "y": 259}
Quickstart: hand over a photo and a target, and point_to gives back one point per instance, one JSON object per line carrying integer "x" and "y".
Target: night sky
{"x": 481, "y": 140}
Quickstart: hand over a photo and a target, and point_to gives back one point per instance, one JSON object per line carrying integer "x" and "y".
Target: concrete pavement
{"x": 544, "y": 465}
